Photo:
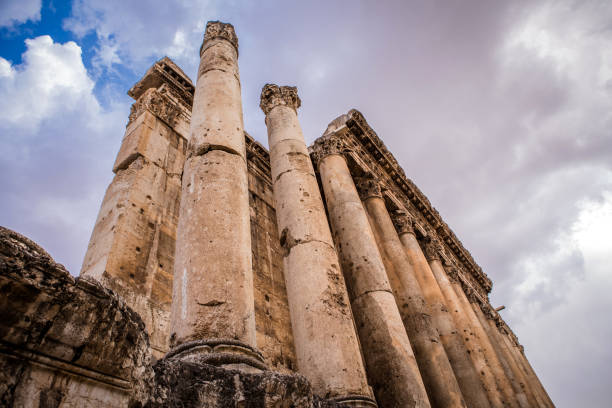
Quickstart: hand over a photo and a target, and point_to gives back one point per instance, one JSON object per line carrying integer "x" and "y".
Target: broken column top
{"x": 165, "y": 71}
{"x": 274, "y": 95}
{"x": 219, "y": 30}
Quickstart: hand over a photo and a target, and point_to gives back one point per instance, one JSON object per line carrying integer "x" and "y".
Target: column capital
{"x": 403, "y": 221}
{"x": 273, "y": 95}
{"x": 433, "y": 249}
{"x": 453, "y": 274}
{"x": 326, "y": 146}
{"x": 217, "y": 29}
{"x": 368, "y": 186}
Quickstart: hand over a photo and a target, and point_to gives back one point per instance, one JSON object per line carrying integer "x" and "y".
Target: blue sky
{"x": 500, "y": 112}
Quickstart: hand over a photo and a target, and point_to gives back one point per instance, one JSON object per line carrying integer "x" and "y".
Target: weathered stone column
{"x": 326, "y": 344}
{"x": 436, "y": 371}
{"x": 503, "y": 383}
{"x": 504, "y": 387}
{"x": 517, "y": 352}
{"x": 213, "y": 315}
{"x": 472, "y": 340}
{"x": 390, "y": 362}
{"x": 465, "y": 372}
{"x": 518, "y": 377}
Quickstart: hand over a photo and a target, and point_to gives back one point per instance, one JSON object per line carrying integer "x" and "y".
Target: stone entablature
{"x": 167, "y": 72}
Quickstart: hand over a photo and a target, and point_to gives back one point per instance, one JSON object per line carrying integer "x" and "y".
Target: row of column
{"x": 366, "y": 288}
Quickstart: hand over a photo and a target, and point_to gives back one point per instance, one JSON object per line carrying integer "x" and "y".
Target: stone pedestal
{"x": 212, "y": 305}
{"x": 436, "y": 371}
{"x": 326, "y": 344}
{"x": 391, "y": 365}
{"x": 465, "y": 372}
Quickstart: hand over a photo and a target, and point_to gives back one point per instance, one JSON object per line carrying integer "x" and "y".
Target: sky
{"x": 501, "y": 113}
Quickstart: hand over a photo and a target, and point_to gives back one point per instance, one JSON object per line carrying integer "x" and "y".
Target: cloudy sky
{"x": 501, "y": 112}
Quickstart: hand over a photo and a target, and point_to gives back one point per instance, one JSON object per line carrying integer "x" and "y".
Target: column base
{"x": 356, "y": 401}
{"x": 225, "y": 353}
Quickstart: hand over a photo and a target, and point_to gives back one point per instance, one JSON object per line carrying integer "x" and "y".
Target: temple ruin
{"x": 221, "y": 274}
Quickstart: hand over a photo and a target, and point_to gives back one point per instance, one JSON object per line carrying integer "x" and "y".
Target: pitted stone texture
{"x": 213, "y": 283}
{"x": 190, "y": 384}
{"x": 64, "y": 341}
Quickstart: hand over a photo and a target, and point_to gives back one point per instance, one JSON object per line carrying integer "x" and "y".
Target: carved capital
{"x": 471, "y": 295}
{"x": 404, "y": 222}
{"x": 368, "y": 187}
{"x": 326, "y": 146}
{"x": 433, "y": 249}
{"x": 274, "y": 95}
{"x": 453, "y": 274}
{"x": 217, "y": 29}
{"x": 156, "y": 102}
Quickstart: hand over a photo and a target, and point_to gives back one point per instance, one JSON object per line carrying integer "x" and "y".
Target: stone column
{"x": 504, "y": 388}
{"x": 507, "y": 358}
{"x": 465, "y": 372}
{"x": 436, "y": 371}
{"x": 519, "y": 393}
{"x": 213, "y": 316}
{"x": 389, "y": 358}
{"x": 472, "y": 340}
{"x": 326, "y": 344}
{"x": 518, "y": 353}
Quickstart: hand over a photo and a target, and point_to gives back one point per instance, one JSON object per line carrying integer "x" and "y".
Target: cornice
{"x": 165, "y": 71}
{"x": 359, "y": 127}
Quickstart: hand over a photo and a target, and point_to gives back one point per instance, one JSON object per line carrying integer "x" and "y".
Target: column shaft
{"x": 212, "y": 305}
{"x": 503, "y": 387}
{"x": 326, "y": 344}
{"x": 470, "y": 337}
{"x": 519, "y": 376}
{"x": 465, "y": 372}
{"x": 519, "y": 394}
{"x": 391, "y": 365}
{"x": 534, "y": 382}
{"x": 436, "y": 371}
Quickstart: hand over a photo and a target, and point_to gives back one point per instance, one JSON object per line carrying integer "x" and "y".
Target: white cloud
{"x": 52, "y": 81}
{"x": 55, "y": 140}
{"x": 132, "y": 32}
{"x": 13, "y": 12}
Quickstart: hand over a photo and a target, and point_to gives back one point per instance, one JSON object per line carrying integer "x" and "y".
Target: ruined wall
{"x": 64, "y": 342}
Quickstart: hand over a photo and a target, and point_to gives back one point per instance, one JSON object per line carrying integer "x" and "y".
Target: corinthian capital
{"x": 433, "y": 249}
{"x": 404, "y": 222}
{"x": 217, "y": 29}
{"x": 326, "y": 146}
{"x": 453, "y": 274}
{"x": 274, "y": 95}
{"x": 367, "y": 187}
